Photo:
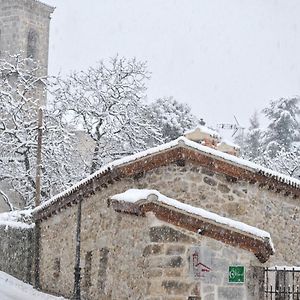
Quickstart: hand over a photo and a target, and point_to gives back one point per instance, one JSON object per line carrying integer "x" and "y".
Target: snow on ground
{"x": 14, "y": 289}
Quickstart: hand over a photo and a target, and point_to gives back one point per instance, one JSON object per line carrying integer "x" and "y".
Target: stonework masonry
{"x": 16, "y": 252}
{"x": 24, "y": 30}
{"x": 134, "y": 257}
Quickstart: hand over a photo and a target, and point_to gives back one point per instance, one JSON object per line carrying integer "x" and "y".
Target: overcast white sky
{"x": 224, "y": 58}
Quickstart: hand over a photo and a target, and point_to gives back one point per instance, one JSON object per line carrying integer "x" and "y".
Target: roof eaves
{"x": 180, "y": 142}
{"x": 261, "y": 246}
{"x": 243, "y": 163}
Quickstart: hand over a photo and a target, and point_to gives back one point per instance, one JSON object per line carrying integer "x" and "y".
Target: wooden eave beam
{"x": 229, "y": 236}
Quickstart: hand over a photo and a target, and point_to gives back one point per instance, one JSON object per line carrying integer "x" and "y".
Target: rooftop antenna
{"x": 237, "y": 128}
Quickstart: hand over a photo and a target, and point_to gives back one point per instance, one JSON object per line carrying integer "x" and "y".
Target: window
{"x": 103, "y": 262}
{"x": 32, "y": 42}
{"x": 56, "y": 267}
{"x": 87, "y": 270}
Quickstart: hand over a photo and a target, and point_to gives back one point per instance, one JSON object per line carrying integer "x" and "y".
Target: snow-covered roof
{"x": 136, "y": 195}
{"x": 180, "y": 142}
{"x": 204, "y": 129}
{"x": 142, "y": 197}
{"x": 229, "y": 143}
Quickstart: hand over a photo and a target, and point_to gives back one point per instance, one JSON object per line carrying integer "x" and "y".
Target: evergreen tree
{"x": 171, "y": 117}
{"x": 278, "y": 146}
{"x": 284, "y": 126}
{"x": 252, "y": 141}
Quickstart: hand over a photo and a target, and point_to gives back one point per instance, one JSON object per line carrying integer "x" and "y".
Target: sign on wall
{"x": 199, "y": 266}
{"x": 236, "y": 274}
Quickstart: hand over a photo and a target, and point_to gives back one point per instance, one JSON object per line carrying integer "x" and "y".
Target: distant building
{"x": 24, "y": 28}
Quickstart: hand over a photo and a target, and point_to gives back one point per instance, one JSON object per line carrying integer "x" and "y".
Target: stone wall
{"x": 16, "y": 252}
{"x": 111, "y": 252}
{"x": 172, "y": 272}
{"x": 242, "y": 201}
{"x": 142, "y": 258}
{"x": 116, "y": 257}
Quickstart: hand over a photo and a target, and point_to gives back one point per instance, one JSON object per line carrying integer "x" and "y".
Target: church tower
{"x": 24, "y": 28}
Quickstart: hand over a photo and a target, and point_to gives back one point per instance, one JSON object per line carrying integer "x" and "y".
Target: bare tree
{"x": 106, "y": 102}
{"x": 21, "y": 93}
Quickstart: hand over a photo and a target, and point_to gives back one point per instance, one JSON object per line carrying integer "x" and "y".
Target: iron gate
{"x": 282, "y": 283}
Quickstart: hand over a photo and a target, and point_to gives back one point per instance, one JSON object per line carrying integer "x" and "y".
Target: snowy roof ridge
{"x": 106, "y": 169}
{"x": 179, "y": 142}
{"x": 245, "y": 163}
{"x": 137, "y": 195}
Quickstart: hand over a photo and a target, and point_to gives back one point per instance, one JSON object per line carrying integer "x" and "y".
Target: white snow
{"x": 14, "y": 289}
{"x": 137, "y": 195}
{"x": 17, "y": 219}
{"x": 229, "y": 143}
{"x": 204, "y": 129}
{"x": 181, "y": 141}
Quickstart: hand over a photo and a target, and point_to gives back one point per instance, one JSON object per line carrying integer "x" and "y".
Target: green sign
{"x": 236, "y": 274}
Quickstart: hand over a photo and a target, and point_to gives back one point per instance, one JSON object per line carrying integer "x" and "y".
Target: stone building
{"x": 198, "y": 225}
{"x": 24, "y": 30}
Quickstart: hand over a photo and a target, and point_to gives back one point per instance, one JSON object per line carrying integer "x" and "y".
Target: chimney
{"x": 204, "y": 136}
{"x": 228, "y": 147}
{"x": 211, "y": 138}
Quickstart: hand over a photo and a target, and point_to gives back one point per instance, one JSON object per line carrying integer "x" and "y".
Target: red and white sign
{"x": 198, "y": 268}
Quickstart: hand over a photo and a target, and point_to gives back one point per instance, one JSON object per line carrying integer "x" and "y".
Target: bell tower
{"x": 24, "y": 28}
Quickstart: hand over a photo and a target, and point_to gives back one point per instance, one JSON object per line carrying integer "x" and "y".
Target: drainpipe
{"x": 37, "y": 235}
{"x": 37, "y": 230}
{"x": 77, "y": 269}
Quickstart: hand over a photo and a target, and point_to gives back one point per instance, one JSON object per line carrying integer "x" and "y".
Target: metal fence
{"x": 282, "y": 283}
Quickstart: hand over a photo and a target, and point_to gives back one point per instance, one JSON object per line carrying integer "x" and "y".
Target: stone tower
{"x": 24, "y": 28}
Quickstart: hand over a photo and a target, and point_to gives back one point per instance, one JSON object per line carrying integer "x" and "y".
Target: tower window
{"x": 32, "y": 42}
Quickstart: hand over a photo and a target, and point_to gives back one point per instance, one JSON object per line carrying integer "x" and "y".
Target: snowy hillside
{"x": 14, "y": 289}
